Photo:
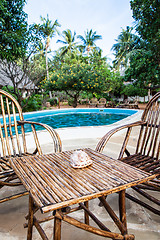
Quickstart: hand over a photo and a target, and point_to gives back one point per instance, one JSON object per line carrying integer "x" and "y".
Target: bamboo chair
{"x": 101, "y": 103}
{"x": 93, "y": 102}
{"x": 16, "y": 144}
{"x": 146, "y": 155}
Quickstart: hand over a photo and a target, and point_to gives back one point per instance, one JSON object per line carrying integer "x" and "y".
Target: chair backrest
{"x": 102, "y": 100}
{"x": 149, "y": 142}
{"x": 94, "y": 100}
{"x": 10, "y": 112}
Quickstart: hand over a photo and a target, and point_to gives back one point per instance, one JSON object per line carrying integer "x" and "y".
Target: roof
{"x": 11, "y": 74}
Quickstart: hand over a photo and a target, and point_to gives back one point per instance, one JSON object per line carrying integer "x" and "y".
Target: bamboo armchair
{"x": 93, "y": 102}
{"x": 146, "y": 155}
{"x": 101, "y": 103}
{"x": 13, "y": 140}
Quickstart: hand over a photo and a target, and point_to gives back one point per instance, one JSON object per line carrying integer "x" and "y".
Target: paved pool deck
{"x": 142, "y": 223}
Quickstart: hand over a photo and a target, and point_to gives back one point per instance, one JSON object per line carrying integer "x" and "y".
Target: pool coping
{"x": 86, "y": 132}
{"x": 95, "y": 131}
{"x": 80, "y": 133}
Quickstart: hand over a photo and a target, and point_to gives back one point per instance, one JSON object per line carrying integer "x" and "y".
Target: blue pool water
{"x": 63, "y": 118}
{"x": 77, "y": 117}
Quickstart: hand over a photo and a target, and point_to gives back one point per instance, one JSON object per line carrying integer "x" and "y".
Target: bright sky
{"x": 106, "y": 17}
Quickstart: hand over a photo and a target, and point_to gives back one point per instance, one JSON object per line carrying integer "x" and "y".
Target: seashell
{"x": 80, "y": 159}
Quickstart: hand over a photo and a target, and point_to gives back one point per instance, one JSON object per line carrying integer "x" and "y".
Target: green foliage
{"x": 48, "y": 28}
{"x": 131, "y": 90}
{"x": 140, "y": 54}
{"x": 88, "y": 41}
{"x": 78, "y": 74}
{"x": 68, "y": 41}
{"x": 124, "y": 44}
{"x": 86, "y": 95}
{"x": 145, "y": 60}
{"x": 13, "y": 29}
{"x": 33, "y": 104}
{"x": 143, "y": 70}
{"x": 37, "y": 66}
{"x": 146, "y": 13}
{"x": 10, "y": 90}
{"x": 53, "y": 101}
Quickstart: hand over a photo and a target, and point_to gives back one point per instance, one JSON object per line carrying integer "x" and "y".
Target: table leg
{"x": 30, "y": 218}
{"x": 86, "y": 216}
{"x": 57, "y": 227}
{"x": 122, "y": 209}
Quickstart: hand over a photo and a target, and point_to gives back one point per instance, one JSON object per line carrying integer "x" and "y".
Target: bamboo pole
{"x": 112, "y": 214}
{"x": 57, "y": 226}
{"x": 122, "y": 210}
{"x": 95, "y": 219}
{"x": 86, "y": 216}
{"x": 30, "y": 220}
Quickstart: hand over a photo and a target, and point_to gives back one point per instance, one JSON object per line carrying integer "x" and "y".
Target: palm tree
{"x": 89, "y": 40}
{"x": 69, "y": 42}
{"x": 125, "y": 43}
{"x": 48, "y": 30}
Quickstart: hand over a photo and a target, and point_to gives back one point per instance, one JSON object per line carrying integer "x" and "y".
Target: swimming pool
{"x": 63, "y": 118}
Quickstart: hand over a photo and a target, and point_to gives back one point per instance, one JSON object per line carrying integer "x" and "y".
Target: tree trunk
{"x": 47, "y": 45}
{"x": 75, "y": 101}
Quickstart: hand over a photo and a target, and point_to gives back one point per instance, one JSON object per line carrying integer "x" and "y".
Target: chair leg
{"x": 30, "y": 218}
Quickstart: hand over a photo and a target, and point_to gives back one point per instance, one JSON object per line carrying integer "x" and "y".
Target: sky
{"x": 106, "y": 17}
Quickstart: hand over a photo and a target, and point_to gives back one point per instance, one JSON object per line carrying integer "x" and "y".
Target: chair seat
{"x": 4, "y": 166}
{"x": 143, "y": 162}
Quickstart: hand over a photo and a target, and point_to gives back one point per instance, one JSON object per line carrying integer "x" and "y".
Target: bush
{"x": 53, "y": 101}
{"x": 34, "y": 103}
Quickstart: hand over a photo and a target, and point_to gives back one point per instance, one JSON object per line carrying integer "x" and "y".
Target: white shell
{"x": 80, "y": 159}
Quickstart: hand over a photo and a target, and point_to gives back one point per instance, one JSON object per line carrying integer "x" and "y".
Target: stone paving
{"x": 142, "y": 223}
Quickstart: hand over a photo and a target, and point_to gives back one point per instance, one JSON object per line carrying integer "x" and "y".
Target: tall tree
{"x": 144, "y": 66}
{"x": 125, "y": 43}
{"x": 75, "y": 75}
{"x": 21, "y": 77}
{"x": 47, "y": 29}
{"x": 68, "y": 41}
{"x": 147, "y": 16}
{"x": 13, "y": 29}
{"x": 89, "y": 40}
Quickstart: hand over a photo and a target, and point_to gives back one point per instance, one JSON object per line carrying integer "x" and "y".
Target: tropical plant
{"x": 76, "y": 75}
{"x": 48, "y": 30}
{"x": 146, "y": 14}
{"x": 144, "y": 67}
{"x": 89, "y": 40}
{"x": 69, "y": 42}
{"x": 132, "y": 90}
{"x": 13, "y": 29}
{"x": 145, "y": 62}
{"x": 125, "y": 43}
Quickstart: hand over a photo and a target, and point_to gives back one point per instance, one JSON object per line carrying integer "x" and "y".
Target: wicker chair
{"x": 101, "y": 103}
{"x": 93, "y": 102}
{"x": 146, "y": 154}
{"x": 13, "y": 140}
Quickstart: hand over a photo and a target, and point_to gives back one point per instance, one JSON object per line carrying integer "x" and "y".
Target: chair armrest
{"x": 56, "y": 139}
{"x": 102, "y": 143}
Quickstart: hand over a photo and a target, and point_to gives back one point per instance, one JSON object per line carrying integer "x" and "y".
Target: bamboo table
{"x": 55, "y": 186}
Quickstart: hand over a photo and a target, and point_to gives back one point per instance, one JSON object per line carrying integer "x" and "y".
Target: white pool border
{"x": 95, "y": 131}
{"x": 87, "y": 132}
